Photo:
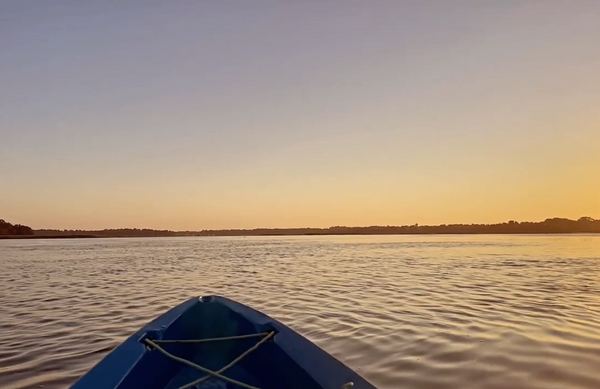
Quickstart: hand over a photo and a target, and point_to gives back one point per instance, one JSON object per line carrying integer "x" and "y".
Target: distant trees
{"x": 584, "y": 224}
{"x": 549, "y": 226}
{"x": 18, "y": 229}
{"x": 585, "y": 219}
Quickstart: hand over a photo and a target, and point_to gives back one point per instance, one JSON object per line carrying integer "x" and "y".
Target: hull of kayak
{"x": 245, "y": 349}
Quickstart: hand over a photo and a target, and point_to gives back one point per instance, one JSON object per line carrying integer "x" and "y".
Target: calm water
{"x": 428, "y": 312}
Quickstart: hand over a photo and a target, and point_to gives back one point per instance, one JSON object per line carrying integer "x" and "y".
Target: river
{"x": 410, "y": 312}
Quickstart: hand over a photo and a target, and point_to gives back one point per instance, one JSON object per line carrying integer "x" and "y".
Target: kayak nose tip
{"x": 207, "y": 299}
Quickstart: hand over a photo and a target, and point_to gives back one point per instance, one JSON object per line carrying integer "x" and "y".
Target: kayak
{"x": 213, "y": 342}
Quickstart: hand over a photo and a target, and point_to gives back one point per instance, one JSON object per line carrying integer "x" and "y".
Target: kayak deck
{"x": 213, "y": 342}
{"x": 195, "y": 363}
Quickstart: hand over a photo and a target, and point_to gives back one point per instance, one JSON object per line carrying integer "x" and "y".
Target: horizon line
{"x": 316, "y": 228}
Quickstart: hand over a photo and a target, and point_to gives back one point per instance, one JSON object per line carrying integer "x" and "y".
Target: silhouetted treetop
{"x": 9, "y": 229}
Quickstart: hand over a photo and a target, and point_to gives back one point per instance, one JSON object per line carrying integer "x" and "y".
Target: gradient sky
{"x": 225, "y": 114}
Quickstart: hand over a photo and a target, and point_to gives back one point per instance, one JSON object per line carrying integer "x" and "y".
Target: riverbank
{"x": 584, "y": 225}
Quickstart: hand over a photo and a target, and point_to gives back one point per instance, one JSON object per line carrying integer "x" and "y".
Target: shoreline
{"x": 71, "y": 236}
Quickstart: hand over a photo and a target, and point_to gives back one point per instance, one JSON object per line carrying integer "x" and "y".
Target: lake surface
{"x": 427, "y": 312}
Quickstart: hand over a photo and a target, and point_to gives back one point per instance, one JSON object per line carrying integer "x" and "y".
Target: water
{"x": 427, "y": 312}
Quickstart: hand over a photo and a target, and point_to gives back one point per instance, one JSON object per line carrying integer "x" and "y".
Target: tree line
{"x": 17, "y": 229}
{"x": 549, "y": 226}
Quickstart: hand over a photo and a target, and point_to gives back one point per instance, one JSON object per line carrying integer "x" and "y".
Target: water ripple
{"x": 435, "y": 312}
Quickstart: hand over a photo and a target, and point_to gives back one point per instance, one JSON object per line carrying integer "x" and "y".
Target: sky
{"x": 234, "y": 114}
